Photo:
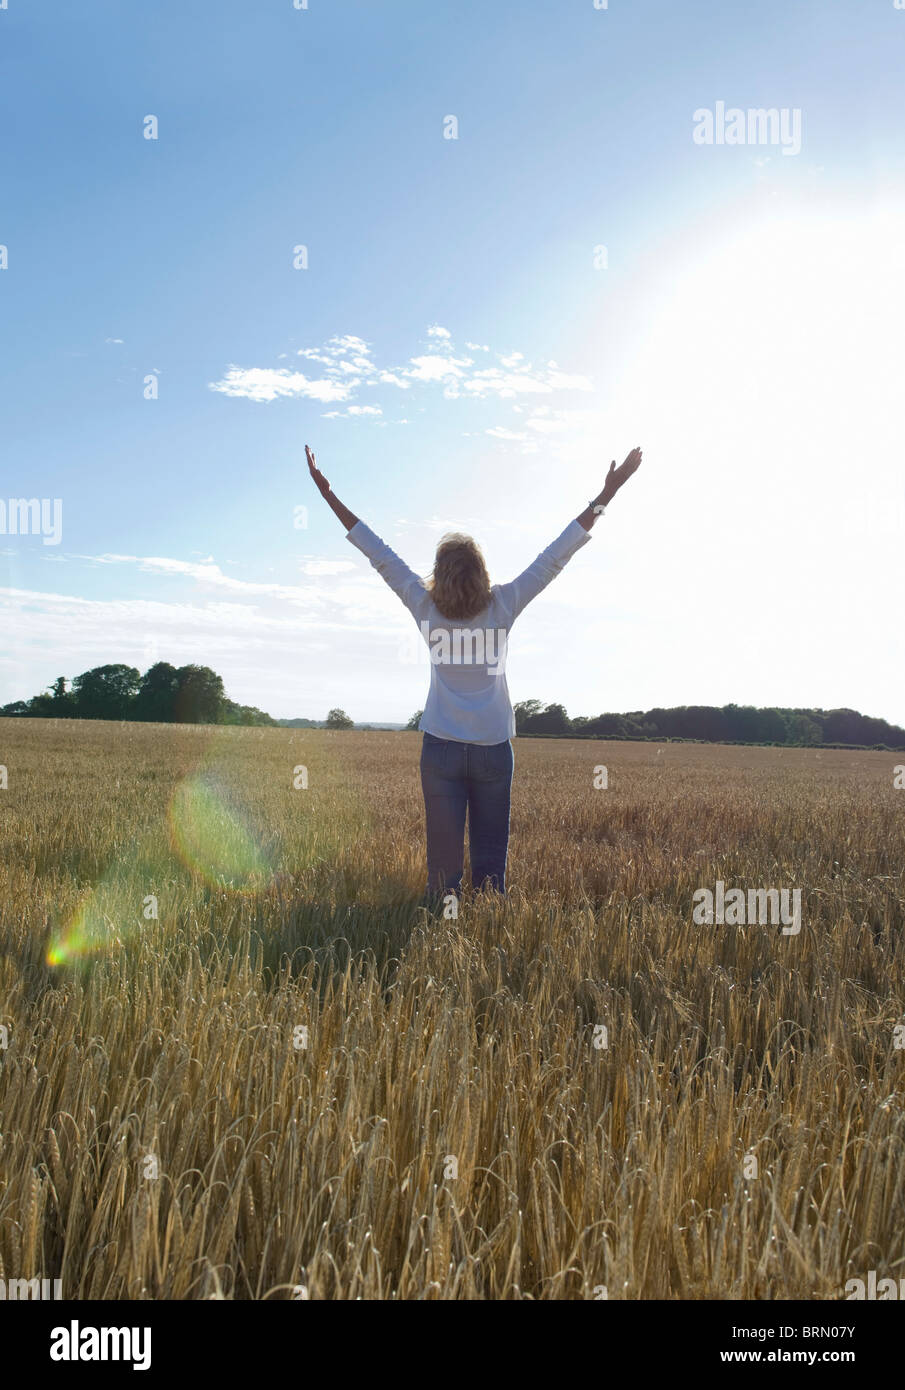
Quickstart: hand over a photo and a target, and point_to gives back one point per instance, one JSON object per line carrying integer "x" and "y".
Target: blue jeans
{"x": 460, "y": 777}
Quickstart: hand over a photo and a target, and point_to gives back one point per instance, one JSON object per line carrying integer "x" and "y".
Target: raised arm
{"x": 553, "y": 560}
{"x": 392, "y": 570}
{"x": 614, "y": 480}
{"x": 347, "y": 518}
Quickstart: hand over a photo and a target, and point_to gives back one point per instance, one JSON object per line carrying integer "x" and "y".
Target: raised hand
{"x": 348, "y": 519}
{"x": 320, "y": 481}
{"x": 617, "y": 476}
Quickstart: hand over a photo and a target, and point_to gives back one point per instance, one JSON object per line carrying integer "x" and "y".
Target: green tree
{"x": 415, "y": 720}
{"x": 105, "y": 692}
{"x": 55, "y": 703}
{"x": 338, "y": 719}
{"x": 156, "y": 698}
{"x": 243, "y": 714}
{"x": 531, "y": 717}
{"x": 526, "y": 710}
{"x": 803, "y": 730}
{"x": 16, "y": 710}
{"x": 614, "y": 725}
{"x": 199, "y": 696}
{"x": 551, "y": 720}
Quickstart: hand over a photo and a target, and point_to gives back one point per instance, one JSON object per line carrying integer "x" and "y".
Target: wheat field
{"x": 241, "y": 1060}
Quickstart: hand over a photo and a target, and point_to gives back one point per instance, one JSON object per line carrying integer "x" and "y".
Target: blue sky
{"x": 458, "y": 352}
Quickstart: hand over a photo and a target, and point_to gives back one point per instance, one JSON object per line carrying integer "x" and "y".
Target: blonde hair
{"x": 460, "y": 584}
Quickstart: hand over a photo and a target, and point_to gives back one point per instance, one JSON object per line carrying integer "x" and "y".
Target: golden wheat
{"x": 295, "y": 1081}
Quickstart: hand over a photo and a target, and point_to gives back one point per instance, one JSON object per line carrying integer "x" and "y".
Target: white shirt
{"x": 469, "y": 699}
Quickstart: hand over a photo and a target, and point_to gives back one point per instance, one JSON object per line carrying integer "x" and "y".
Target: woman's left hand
{"x": 617, "y": 476}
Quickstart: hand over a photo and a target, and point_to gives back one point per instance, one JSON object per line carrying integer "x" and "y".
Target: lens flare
{"x": 97, "y": 922}
{"x": 212, "y": 838}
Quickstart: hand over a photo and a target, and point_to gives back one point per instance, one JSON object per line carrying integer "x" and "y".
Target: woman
{"x": 468, "y": 722}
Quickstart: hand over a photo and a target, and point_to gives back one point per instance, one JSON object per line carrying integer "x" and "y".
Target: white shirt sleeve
{"x": 551, "y": 562}
{"x": 403, "y": 581}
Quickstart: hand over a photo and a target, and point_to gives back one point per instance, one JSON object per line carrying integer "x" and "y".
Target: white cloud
{"x": 348, "y": 343}
{"x": 327, "y": 566}
{"x": 269, "y": 383}
{"x": 360, "y": 593}
{"x": 494, "y": 381}
{"x": 335, "y": 349}
{"x": 255, "y": 649}
{"x": 312, "y": 355}
{"x": 547, "y": 421}
{"x": 205, "y": 573}
{"x": 353, "y": 410}
{"x": 499, "y": 432}
{"x": 348, "y": 367}
{"x": 436, "y": 368}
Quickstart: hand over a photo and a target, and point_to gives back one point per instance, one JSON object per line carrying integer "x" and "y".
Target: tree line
{"x": 801, "y": 728}
{"x": 193, "y": 694}
{"x": 165, "y": 694}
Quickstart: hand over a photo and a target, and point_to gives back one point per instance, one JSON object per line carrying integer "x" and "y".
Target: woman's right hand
{"x": 320, "y": 481}
{"x": 348, "y": 519}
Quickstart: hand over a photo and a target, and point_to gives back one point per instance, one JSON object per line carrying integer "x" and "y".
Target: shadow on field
{"x": 282, "y": 936}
